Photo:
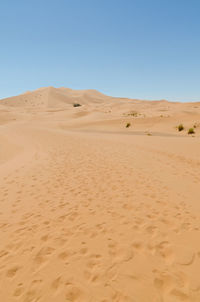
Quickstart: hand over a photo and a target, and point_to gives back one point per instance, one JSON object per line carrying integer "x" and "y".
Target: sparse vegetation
{"x": 76, "y": 105}
{"x": 133, "y": 113}
{"x": 191, "y": 131}
{"x": 128, "y": 125}
{"x": 180, "y": 127}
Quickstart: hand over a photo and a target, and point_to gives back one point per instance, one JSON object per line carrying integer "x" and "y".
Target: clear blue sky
{"x": 133, "y": 48}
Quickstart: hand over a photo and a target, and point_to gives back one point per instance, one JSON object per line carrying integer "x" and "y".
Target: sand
{"x": 92, "y": 211}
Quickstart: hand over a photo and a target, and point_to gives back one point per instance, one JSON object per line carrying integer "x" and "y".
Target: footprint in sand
{"x": 12, "y": 271}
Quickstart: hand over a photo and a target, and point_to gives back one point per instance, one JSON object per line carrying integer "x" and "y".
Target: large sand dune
{"x": 92, "y": 211}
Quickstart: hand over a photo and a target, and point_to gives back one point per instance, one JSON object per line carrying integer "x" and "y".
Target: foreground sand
{"x": 92, "y": 211}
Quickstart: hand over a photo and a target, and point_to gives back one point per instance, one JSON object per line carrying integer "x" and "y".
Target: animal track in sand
{"x": 164, "y": 249}
{"x": 92, "y": 263}
{"x": 124, "y": 255}
{"x": 83, "y": 251}
{"x": 45, "y": 237}
{"x": 184, "y": 256}
{"x": 18, "y": 291}
{"x": 163, "y": 283}
{"x": 73, "y": 293}
{"x": 3, "y": 253}
{"x": 179, "y": 295}
{"x": 151, "y": 230}
{"x": 56, "y": 284}
{"x": 137, "y": 245}
{"x": 12, "y": 271}
{"x": 31, "y": 295}
{"x": 172, "y": 285}
{"x": 42, "y": 256}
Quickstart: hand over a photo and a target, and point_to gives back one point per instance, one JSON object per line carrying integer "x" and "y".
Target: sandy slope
{"x": 93, "y": 211}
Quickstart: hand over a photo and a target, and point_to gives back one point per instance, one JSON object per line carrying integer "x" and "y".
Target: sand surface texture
{"x": 92, "y": 211}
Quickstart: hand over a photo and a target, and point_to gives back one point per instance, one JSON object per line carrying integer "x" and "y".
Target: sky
{"x": 147, "y": 49}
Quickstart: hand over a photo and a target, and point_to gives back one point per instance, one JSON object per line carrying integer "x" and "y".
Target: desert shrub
{"x": 76, "y": 105}
{"x": 180, "y": 127}
{"x": 191, "y": 131}
{"x": 133, "y": 113}
{"x": 128, "y": 125}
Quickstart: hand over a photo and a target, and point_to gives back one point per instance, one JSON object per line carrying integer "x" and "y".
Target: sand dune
{"x": 48, "y": 97}
{"x": 92, "y": 210}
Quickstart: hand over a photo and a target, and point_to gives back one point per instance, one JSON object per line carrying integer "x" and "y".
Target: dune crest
{"x": 48, "y": 97}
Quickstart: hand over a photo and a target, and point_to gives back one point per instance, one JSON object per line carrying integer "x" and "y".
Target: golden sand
{"x": 92, "y": 211}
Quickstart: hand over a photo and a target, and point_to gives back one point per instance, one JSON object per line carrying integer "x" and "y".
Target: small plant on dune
{"x": 180, "y": 127}
{"x": 133, "y": 113}
{"x": 191, "y": 131}
{"x": 76, "y": 105}
{"x": 128, "y": 125}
